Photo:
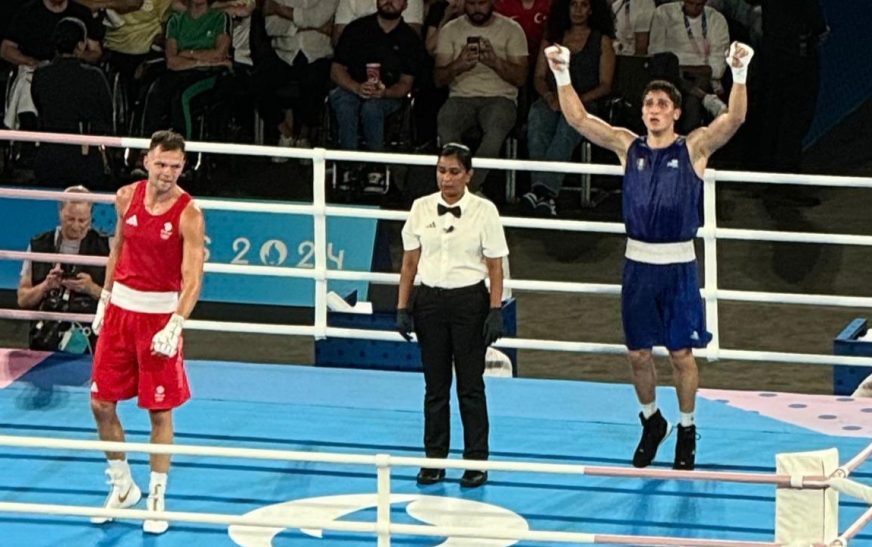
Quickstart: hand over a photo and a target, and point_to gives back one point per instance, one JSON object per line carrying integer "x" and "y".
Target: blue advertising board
{"x": 232, "y": 237}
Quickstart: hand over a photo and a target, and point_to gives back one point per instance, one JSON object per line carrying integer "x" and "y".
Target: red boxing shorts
{"x": 124, "y": 366}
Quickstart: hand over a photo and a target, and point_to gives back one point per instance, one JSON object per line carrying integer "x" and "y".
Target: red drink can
{"x": 373, "y": 72}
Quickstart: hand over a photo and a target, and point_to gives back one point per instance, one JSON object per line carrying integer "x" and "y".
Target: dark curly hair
{"x": 601, "y": 19}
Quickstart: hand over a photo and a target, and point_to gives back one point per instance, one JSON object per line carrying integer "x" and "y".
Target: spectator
{"x": 197, "y": 50}
{"x": 300, "y": 38}
{"x": 239, "y": 12}
{"x": 532, "y": 15}
{"x": 429, "y": 98}
{"x": 25, "y": 46}
{"x": 586, "y": 28}
{"x": 698, "y": 36}
{"x": 71, "y": 96}
{"x": 633, "y": 26}
{"x": 68, "y": 287}
{"x": 482, "y": 58}
{"x": 136, "y": 37}
{"x": 350, "y": 10}
{"x": 363, "y": 94}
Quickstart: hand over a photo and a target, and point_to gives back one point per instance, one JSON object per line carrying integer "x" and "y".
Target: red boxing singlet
{"x": 151, "y": 256}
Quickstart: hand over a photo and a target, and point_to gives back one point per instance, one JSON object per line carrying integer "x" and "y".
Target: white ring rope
{"x": 384, "y": 461}
{"x": 418, "y": 159}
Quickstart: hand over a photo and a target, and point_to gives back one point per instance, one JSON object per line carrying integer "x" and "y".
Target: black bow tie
{"x": 443, "y": 209}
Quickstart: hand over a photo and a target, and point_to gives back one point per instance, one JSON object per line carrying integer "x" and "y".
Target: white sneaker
{"x": 124, "y": 494}
{"x": 284, "y": 142}
{"x": 155, "y": 503}
{"x": 714, "y": 105}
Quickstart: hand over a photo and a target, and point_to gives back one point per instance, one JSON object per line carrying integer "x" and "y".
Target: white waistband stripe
{"x": 660, "y": 253}
{"x": 144, "y": 301}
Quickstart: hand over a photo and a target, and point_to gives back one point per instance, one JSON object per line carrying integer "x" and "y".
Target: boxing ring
{"x": 334, "y": 451}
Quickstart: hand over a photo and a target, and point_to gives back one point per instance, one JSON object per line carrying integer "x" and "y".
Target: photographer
{"x": 64, "y": 287}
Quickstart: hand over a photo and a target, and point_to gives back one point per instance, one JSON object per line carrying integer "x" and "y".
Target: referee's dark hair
{"x": 459, "y": 151}
{"x": 68, "y": 34}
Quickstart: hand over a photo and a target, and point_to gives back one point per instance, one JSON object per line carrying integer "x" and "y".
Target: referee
{"x": 453, "y": 239}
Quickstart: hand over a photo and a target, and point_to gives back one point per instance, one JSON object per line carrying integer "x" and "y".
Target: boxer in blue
{"x": 660, "y": 300}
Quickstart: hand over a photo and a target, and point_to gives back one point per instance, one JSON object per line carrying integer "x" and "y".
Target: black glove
{"x": 404, "y": 323}
{"x": 493, "y": 326}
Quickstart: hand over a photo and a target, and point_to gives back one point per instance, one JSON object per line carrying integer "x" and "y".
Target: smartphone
{"x": 473, "y": 43}
{"x": 69, "y": 275}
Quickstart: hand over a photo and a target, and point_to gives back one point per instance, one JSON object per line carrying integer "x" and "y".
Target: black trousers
{"x": 449, "y": 325}
{"x": 274, "y": 74}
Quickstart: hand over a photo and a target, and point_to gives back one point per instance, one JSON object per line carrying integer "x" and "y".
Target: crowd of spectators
{"x": 333, "y": 72}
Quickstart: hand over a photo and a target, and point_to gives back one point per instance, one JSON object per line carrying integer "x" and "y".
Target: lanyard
{"x": 705, "y": 42}
{"x": 625, "y": 5}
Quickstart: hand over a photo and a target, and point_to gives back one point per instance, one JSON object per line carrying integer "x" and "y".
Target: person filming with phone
{"x": 482, "y": 58}
{"x": 64, "y": 287}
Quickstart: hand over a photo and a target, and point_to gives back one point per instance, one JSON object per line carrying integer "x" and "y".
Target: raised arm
{"x": 703, "y": 142}
{"x": 616, "y": 139}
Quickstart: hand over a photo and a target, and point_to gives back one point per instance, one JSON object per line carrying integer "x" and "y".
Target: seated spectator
{"x": 300, "y": 38}
{"x": 71, "y": 96}
{"x": 482, "y": 58}
{"x": 586, "y": 28}
{"x": 633, "y": 26}
{"x": 239, "y": 12}
{"x": 350, "y": 10}
{"x": 698, "y": 36}
{"x": 429, "y": 98}
{"x": 532, "y": 15}
{"x": 197, "y": 51}
{"x": 135, "y": 35}
{"x": 26, "y": 45}
{"x": 373, "y": 68}
{"x": 64, "y": 287}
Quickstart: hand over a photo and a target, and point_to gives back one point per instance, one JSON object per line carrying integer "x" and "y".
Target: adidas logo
{"x": 132, "y": 221}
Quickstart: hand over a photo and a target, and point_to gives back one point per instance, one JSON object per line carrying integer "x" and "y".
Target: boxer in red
{"x": 153, "y": 280}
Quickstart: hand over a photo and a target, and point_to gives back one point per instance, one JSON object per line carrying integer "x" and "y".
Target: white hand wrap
{"x": 558, "y": 60}
{"x": 97, "y": 323}
{"x": 740, "y": 72}
{"x": 166, "y": 341}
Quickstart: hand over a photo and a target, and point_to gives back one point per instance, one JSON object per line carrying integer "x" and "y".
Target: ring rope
{"x": 384, "y": 462}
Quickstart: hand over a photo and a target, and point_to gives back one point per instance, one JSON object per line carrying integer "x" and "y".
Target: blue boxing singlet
{"x": 661, "y": 193}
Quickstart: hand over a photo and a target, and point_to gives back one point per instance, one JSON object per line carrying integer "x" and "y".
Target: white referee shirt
{"x": 453, "y": 250}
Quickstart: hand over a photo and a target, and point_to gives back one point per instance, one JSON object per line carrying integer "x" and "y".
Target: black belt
{"x": 477, "y": 287}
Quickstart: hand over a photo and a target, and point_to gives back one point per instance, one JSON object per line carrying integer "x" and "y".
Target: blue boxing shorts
{"x": 661, "y": 306}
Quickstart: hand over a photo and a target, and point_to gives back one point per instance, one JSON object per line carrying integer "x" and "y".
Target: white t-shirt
{"x": 453, "y": 250}
{"x": 631, "y": 17}
{"x": 708, "y": 46}
{"x": 349, "y": 10}
{"x": 291, "y": 37}
{"x": 508, "y": 40}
